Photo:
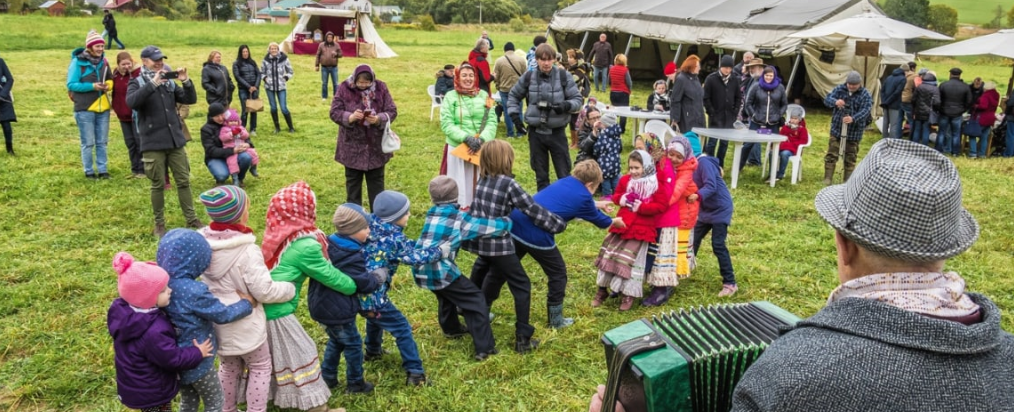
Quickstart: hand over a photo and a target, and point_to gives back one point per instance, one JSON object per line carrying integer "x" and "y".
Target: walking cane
{"x": 841, "y": 146}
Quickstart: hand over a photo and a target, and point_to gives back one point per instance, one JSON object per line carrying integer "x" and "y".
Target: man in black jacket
{"x": 110, "y": 25}
{"x": 722, "y": 97}
{"x": 153, "y": 98}
{"x": 890, "y": 100}
{"x": 955, "y": 100}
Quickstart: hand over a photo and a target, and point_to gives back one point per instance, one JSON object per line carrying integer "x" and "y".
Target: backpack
{"x": 561, "y": 73}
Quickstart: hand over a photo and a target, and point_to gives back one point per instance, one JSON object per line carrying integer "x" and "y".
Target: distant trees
{"x": 1010, "y": 17}
{"x": 914, "y": 12}
{"x": 942, "y": 18}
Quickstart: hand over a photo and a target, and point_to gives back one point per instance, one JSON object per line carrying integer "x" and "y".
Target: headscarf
{"x": 643, "y": 187}
{"x": 292, "y": 214}
{"x": 653, "y": 146}
{"x": 462, "y": 91}
{"x": 366, "y": 95}
{"x": 681, "y": 140}
{"x": 774, "y": 83}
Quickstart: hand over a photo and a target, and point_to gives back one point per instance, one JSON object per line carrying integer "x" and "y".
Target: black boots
{"x": 556, "y": 319}
{"x": 274, "y": 118}
{"x": 524, "y": 345}
{"x": 288, "y": 121}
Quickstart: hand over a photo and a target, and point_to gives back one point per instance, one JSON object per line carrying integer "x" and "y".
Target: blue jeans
{"x": 982, "y": 139}
{"x": 719, "y": 232}
{"x": 110, "y": 39}
{"x": 220, "y": 170}
{"x": 507, "y": 119}
{"x": 244, "y": 95}
{"x": 601, "y": 76}
{"x": 609, "y": 185}
{"x": 280, "y": 96}
{"x": 394, "y": 322}
{"x": 326, "y": 72}
{"x": 921, "y": 132}
{"x": 892, "y": 120}
{"x": 906, "y": 109}
{"x": 784, "y": 155}
{"x": 94, "y": 129}
{"x": 752, "y": 151}
{"x": 342, "y": 339}
{"x": 949, "y": 135}
{"x": 1008, "y": 151}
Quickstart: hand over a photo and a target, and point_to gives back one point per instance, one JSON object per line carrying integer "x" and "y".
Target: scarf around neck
{"x": 149, "y": 76}
{"x": 940, "y": 295}
{"x": 769, "y": 86}
{"x": 645, "y": 185}
{"x": 292, "y": 214}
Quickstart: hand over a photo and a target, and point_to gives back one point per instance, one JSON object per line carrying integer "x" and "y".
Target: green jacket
{"x": 461, "y": 116}
{"x": 303, "y": 258}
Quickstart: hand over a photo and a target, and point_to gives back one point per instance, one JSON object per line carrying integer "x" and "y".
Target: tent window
{"x": 635, "y": 42}
{"x": 673, "y": 47}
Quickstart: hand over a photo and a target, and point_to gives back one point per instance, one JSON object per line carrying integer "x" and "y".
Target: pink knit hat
{"x": 93, "y": 38}
{"x": 139, "y": 283}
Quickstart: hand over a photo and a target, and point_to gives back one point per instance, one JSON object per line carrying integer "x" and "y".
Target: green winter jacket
{"x": 303, "y": 258}
{"x": 461, "y": 116}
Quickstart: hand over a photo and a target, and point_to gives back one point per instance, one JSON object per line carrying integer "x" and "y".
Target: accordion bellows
{"x": 688, "y": 360}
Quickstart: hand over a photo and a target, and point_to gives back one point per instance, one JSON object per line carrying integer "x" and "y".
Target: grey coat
{"x": 555, "y": 88}
{"x": 686, "y": 102}
{"x": 863, "y": 355}
{"x": 157, "y": 122}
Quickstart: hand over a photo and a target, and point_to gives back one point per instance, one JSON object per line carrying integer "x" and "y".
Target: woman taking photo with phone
{"x": 362, "y": 107}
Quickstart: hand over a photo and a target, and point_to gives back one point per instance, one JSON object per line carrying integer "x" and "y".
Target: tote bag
{"x": 390, "y": 142}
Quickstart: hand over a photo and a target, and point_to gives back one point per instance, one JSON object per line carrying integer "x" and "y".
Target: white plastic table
{"x": 740, "y": 137}
{"x": 624, "y": 111}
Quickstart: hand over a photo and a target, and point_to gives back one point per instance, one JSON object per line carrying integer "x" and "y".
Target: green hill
{"x": 977, "y": 12}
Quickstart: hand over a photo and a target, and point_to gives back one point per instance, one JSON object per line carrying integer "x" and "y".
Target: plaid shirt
{"x": 858, "y": 105}
{"x": 387, "y": 247}
{"x": 496, "y": 197}
{"x": 446, "y": 223}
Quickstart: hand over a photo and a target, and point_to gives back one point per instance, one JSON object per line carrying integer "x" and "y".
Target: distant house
{"x": 394, "y": 12}
{"x": 364, "y": 6}
{"x": 54, "y": 7}
{"x": 279, "y": 12}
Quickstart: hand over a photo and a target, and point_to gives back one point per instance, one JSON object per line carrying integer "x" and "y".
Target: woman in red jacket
{"x": 479, "y": 59}
{"x": 985, "y": 112}
{"x": 126, "y": 72}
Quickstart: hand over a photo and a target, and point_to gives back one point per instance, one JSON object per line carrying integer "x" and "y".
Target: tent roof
{"x": 281, "y": 9}
{"x": 773, "y": 14}
{"x": 366, "y": 29}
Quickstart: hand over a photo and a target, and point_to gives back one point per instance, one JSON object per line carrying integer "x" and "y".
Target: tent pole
{"x": 795, "y": 68}
{"x": 734, "y": 59}
{"x": 1010, "y": 82}
{"x": 630, "y": 41}
{"x": 584, "y": 41}
{"x": 676, "y": 58}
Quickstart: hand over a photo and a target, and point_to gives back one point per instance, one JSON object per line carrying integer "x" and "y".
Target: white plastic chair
{"x": 796, "y": 161}
{"x": 434, "y": 103}
{"x": 660, "y": 129}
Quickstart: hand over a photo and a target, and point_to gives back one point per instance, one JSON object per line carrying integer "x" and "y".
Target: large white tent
{"x": 358, "y": 25}
{"x": 655, "y": 32}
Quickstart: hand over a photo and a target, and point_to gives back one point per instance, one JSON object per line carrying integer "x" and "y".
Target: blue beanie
{"x": 389, "y": 206}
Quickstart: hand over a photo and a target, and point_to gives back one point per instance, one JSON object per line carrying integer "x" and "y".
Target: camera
{"x": 171, "y": 75}
{"x": 542, "y": 105}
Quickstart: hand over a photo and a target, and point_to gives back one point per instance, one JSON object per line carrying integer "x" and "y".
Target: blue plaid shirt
{"x": 387, "y": 246}
{"x": 858, "y": 105}
{"x": 446, "y": 223}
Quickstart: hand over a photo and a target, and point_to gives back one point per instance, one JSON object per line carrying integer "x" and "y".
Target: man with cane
{"x": 852, "y": 106}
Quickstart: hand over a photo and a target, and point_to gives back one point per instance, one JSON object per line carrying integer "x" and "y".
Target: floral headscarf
{"x": 458, "y": 87}
{"x": 645, "y": 186}
{"x": 367, "y": 95}
{"x": 688, "y": 150}
{"x": 292, "y": 214}
{"x": 653, "y": 145}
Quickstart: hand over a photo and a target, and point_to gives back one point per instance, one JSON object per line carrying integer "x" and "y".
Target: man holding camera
{"x": 552, "y": 97}
{"x": 153, "y": 97}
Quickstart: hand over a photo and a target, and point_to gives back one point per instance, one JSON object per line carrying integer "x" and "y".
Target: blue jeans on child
{"x": 280, "y": 96}
{"x": 391, "y": 320}
{"x": 609, "y": 185}
{"x": 342, "y": 339}
{"x": 719, "y": 231}
{"x": 326, "y": 72}
{"x": 784, "y": 155}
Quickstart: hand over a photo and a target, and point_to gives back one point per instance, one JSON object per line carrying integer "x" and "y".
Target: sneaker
{"x": 456, "y": 334}
{"x": 253, "y": 133}
{"x": 361, "y": 387}
{"x": 728, "y": 290}
{"x": 372, "y": 356}
{"x": 331, "y": 383}
{"x": 481, "y": 356}
{"x": 91, "y": 176}
{"x": 416, "y": 379}
{"x": 103, "y": 175}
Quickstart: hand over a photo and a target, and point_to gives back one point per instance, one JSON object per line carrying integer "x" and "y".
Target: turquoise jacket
{"x": 461, "y": 117}
{"x": 81, "y": 76}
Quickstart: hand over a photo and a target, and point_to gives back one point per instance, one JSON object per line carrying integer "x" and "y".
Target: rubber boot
{"x": 523, "y": 345}
{"x": 828, "y": 173}
{"x": 848, "y": 174}
{"x": 274, "y": 118}
{"x": 288, "y": 121}
{"x": 556, "y": 319}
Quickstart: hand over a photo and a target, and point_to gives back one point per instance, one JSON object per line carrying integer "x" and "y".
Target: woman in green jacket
{"x": 295, "y": 249}
{"x": 465, "y": 118}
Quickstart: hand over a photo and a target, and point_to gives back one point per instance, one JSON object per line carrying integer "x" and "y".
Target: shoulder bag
{"x": 390, "y": 142}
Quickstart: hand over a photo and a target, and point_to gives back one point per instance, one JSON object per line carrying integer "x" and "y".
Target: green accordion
{"x": 688, "y": 360}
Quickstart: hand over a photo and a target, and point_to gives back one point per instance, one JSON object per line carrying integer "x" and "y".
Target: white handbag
{"x": 390, "y": 142}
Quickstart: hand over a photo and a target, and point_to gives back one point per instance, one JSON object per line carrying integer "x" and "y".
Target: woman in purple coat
{"x": 362, "y": 107}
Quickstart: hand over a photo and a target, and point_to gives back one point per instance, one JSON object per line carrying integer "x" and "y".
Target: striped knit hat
{"x": 225, "y": 204}
{"x": 93, "y": 38}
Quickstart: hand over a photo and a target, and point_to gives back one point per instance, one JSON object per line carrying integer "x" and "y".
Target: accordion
{"x": 688, "y": 360}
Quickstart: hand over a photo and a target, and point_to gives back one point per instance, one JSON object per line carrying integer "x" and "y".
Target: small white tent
{"x": 653, "y": 33}
{"x": 355, "y": 31}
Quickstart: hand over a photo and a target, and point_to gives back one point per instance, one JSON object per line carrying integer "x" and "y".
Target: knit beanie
{"x": 215, "y": 109}
{"x": 853, "y": 78}
{"x": 139, "y": 283}
{"x": 390, "y": 206}
{"x": 93, "y": 38}
{"x": 727, "y": 61}
{"x": 225, "y": 204}
{"x": 443, "y": 190}
{"x": 349, "y": 219}
{"x": 670, "y": 68}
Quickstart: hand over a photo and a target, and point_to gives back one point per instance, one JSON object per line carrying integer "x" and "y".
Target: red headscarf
{"x": 457, "y": 81}
{"x": 292, "y": 214}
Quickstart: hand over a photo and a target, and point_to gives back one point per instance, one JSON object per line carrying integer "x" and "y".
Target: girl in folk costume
{"x": 622, "y": 257}
{"x": 673, "y": 259}
{"x": 295, "y": 249}
{"x": 465, "y": 118}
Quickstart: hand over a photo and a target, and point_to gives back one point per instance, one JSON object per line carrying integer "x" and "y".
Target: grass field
{"x": 60, "y": 231}
{"x": 977, "y": 12}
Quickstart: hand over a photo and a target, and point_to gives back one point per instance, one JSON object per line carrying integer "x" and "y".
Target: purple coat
{"x": 147, "y": 358}
{"x": 358, "y": 144}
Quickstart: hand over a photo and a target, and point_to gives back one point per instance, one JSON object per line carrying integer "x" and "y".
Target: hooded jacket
{"x": 985, "y": 107}
{"x": 305, "y": 259}
{"x": 714, "y": 197}
{"x": 680, "y": 212}
{"x": 218, "y": 86}
{"x": 890, "y": 95}
{"x": 330, "y": 307}
{"x": 955, "y": 97}
{"x": 237, "y": 264}
{"x": 193, "y": 309}
{"x": 642, "y": 224}
{"x": 276, "y": 71}
{"x": 358, "y": 145}
{"x": 120, "y": 84}
{"x": 81, "y": 76}
{"x": 926, "y": 98}
{"x": 146, "y": 355}
{"x": 859, "y": 355}
{"x": 328, "y": 53}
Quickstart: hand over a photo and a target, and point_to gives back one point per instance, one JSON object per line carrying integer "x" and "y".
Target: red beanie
{"x": 670, "y": 69}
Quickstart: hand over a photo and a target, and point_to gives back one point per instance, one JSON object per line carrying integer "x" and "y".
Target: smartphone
{"x": 367, "y": 112}
{"x": 170, "y": 75}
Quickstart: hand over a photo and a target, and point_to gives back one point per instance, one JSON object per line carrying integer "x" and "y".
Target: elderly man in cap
{"x": 955, "y": 100}
{"x": 900, "y": 333}
{"x": 153, "y": 97}
{"x": 722, "y": 99}
{"x": 852, "y": 105}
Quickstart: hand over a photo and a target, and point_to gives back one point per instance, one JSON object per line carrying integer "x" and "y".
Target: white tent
{"x": 350, "y": 23}
{"x": 654, "y": 32}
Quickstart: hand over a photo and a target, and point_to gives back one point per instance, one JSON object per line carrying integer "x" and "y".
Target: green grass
{"x": 977, "y": 12}
{"x": 61, "y": 231}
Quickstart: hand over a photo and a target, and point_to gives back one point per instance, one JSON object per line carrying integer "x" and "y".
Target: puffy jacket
{"x": 641, "y": 225}
{"x": 682, "y": 180}
{"x": 120, "y": 84}
{"x": 81, "y": 76}
{"x": 926, "y": 99}
{"x": 721, "y": 99}
{"x": 955, "y": 97}
{"x": 688, "y": 210}
{"x": 158, "y": 124}
{"x": 556, "y": 88}
{"x": 890, "y": 95}
{"x": 985, "y": 108}
{"x": 686, "y": 102}
{"x": 443, "y": 84}
{"x": 237, "y": 264}
{"x": 276, "y": 71}
{"x": 304, "y": 258}
{"x": 218, "y": 87}
{"x": 146, "y": 355}
{"x": 358, "y": 145}
{"x": 246, "y": 73}
{"x": 714, "y": 197}
{"x": 461, "y": 117}
{"x": 328, "y": 306}
{"x": 766, "y": 107}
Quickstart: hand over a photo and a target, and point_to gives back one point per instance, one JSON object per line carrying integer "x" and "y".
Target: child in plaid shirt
{"x": 388, "y": 246}
{"x": 447, "y": 225}
{"x": 496, "y": 195}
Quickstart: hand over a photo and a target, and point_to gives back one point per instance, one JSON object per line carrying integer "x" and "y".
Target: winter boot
{"x": 416, "y": 379}
{"x": 274, "y": 118}
{"x": 359, "y": 387}
{"x": 658, "y": 296}
{"x": 848, "y": 174}
{"x": 600, "y": 297}
{"x": 288, "y": 121}
{"x": 829, "y": 173}
{"x": 524, "y": 345}
{"x": 10, "y": 147}
{"x": 626, "y": 303}
{"x": 556, "y": 319}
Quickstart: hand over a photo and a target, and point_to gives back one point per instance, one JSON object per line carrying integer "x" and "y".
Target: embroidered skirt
{"x": 672, "y": 262}
{"x": 464, "y": 173}
{"x": 295, "y": 368}
{"x": 621, "y": 265}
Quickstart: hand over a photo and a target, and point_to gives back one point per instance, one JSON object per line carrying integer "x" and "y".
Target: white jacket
{"x": 237, "y": 264}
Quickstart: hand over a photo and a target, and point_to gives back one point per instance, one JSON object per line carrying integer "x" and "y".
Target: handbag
{"x": 254, "y": 105}
{"x": 972, "y": 127}
{"x": 390, "y": 142}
